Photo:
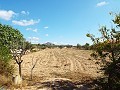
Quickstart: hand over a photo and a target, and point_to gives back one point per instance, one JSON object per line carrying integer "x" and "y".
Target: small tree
{"x": 86, "y": 46}
{"x": 27, "y": 46}
{"x": 10, "y": 40}
{"x": 17, "y": 56}
{"x": 108, "y": 45}
{"x": 33, "y": 66}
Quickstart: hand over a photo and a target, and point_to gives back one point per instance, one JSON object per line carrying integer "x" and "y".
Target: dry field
{"x": 61, "y": 63}
{"x": 57, "y": 63}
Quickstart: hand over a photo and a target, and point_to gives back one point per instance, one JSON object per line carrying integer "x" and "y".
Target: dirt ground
{"x": 72, "y": 64}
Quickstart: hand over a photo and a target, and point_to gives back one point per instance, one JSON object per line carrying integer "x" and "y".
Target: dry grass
{"x": 3, "y": 80}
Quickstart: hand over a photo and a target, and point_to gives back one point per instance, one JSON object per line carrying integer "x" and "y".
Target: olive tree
{"x": 12, "y": 40}
{"x": 108, "y": 48}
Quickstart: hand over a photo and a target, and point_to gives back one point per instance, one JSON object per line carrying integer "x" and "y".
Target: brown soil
{"x": 71, "y": 64}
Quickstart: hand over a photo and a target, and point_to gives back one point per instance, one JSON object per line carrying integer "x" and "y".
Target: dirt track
{"x": 60, "y": 63}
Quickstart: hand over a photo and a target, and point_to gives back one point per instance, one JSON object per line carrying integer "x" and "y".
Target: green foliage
{"x": 4, "y": 54}
{"x": 50, "y": 45}
{"x": 6, "y": 69}
{"x": 108, "y": 46}
{"x": 117, "y": 19}
{"x": 86, "y": 46}
{"x": 28, "y": 45}
{"x": 79, "y": 46}
{"x": 10, "y": 37}
{"x": 5, "y": 58}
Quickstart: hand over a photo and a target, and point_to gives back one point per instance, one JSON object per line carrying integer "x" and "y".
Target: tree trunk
{"x": 110, "y": 87}
{"x": 31, "y": 73}
{"x": 20, "y": 69}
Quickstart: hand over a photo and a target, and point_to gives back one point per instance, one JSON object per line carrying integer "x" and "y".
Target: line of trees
{"x": 31, "y": 47}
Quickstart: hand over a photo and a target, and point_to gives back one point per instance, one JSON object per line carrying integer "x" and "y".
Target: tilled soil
{"x": 72, "y": 64}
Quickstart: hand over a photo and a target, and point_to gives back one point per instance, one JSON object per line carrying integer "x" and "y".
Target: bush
{"x": 6, "y": 69}
{"x": 5, "y": 57}
{"x": 5, "y": 54}
{"x": 107, "y": 48}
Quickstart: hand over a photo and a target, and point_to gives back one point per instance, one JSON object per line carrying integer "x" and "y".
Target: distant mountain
{"x": 49, "y": 44}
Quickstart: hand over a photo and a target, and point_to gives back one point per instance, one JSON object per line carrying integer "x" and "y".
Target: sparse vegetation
{"x": 33, "y": 66}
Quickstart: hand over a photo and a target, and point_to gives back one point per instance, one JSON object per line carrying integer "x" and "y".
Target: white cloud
{"x": 25, "y": 12}
{"x": 46, "y": 35}
{"x": 29, "y": 29}
{"x": 6, "y": 15}
{"x": 25, "y": 22}
{"x": 34, "y": 30}
{"x": 55, "y": 43}
{"x": 101, "y": 4}
{"x": 46, "y": 27}
{"x": 34, "y": 39}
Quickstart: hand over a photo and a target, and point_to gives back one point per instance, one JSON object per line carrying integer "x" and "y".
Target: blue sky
{"x": 58, "y": 21}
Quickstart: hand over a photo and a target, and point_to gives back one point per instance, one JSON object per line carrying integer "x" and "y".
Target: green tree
{"x": 11, "y": 41}
{"x": 27, "y": 45}
{"x": 10, "y": 37}
{"x": 108, "y": 45}
{"x": 79, "y": 46}
{"x": 86, "y": 46}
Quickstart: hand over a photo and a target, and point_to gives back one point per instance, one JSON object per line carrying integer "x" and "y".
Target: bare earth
{"x": 60, "y": 63}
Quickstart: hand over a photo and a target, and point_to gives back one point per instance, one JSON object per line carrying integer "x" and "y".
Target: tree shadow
{"x": 59, "y": 85}
{"x": 62, "y": 85}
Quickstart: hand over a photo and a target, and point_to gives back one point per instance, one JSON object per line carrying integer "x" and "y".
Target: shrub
{"x": 6, "y": 69}
{"x": 5, "y": 57}
{"x": 107, "y": 48}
